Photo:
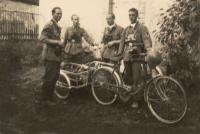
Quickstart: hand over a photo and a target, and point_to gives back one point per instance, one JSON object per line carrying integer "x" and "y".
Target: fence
{"x": 18, "y": 24}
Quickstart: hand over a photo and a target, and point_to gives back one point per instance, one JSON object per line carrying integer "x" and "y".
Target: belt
{"x": 134, "y": 44}
{"x": 75, "y": 41}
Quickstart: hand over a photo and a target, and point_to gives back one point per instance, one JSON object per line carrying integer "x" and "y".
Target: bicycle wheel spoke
{"x": 171, "y": 105}
{"x": 165, "y": 84}
{"x": 96, "y": 86}
{"x": 104, "y": 86}
{"x": 156, "y": 100}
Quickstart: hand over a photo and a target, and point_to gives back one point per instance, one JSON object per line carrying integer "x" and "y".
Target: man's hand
{"x": 118, "y": 53}
{"x": 93, "y": 44}
{"x": 149, "y": 50}
{"x": 60, "y": 43}
{"x": 110, "y": 44}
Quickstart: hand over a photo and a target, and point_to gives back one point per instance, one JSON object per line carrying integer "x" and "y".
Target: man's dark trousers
{"x": 52, "y": 69}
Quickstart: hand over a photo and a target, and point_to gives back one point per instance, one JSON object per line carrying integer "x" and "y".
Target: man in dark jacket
{"x": 111, "y": 39}
{"x": 50, "y": 36}
{"x": 137, "y": 33}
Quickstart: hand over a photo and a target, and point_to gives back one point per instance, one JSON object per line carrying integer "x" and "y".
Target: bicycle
{"x": 165, "y": 97}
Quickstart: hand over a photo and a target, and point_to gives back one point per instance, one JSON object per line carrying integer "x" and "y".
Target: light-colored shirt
{"x": 111, "y": 26}
{"x": 133, "y": 25}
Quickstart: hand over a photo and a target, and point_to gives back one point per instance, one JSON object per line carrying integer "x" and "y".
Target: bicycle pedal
{"x": 127, "y": 88}
{"x": 132, "y": 93}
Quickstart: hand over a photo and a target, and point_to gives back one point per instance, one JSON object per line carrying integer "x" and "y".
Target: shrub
{"x": 178, "y": 32}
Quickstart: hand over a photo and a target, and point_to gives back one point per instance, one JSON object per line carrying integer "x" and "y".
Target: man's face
{"x": 132, "y": 16}
{"x": 110, "y": 20}
{"x": 75, "y": 20}
{"x": 57, "y": 15}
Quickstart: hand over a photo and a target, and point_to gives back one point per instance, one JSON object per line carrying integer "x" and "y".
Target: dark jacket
{"x": 140, "y": 34}
{"x": 51, "y": 52}
{"x": 111, "y": 35}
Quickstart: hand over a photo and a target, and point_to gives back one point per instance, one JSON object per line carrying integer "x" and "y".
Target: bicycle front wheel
{"x": 105, "y": 85}
{"x": 166, "y": 99}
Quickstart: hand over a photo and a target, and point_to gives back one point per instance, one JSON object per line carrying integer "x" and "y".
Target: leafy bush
{"x": 179, "y": 31}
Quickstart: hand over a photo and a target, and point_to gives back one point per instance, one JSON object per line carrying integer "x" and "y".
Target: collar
{"x": 133, "y": 25}
{"x": 112, "y": 26}
{"x": 76, "y": 27}
{"x": 56, "y": 23}
{"x": 54, "y": 20}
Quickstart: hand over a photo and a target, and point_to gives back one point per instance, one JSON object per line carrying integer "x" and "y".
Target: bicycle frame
{"x": 144, "y": 71}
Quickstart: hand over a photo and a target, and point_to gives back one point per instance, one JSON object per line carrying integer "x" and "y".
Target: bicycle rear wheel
{"x": 62, "y": 89}
{"x": 105, "y": 85}
{"x": 166, "y": 99}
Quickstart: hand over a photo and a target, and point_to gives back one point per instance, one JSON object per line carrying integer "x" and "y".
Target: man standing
{"x": 74, "y": 51}
{"x": 138, "y": 33}
{"x": 111, "y": 39}
{"x": 50, "y": 36}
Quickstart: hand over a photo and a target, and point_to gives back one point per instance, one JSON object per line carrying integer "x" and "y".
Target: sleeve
{"x": 103, "y": 38}
{"x": 87, "y": 37}
{"x": 46, "y": 33}
{"x": 122, "y": 41}
{"x": 121, "y": 31}
{"x": 66, "y": 37}
{"x": 146, "y": 37}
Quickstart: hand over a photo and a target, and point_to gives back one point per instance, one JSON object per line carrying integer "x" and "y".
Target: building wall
{"x": 121, "y": 8}
{"x": 18, "y": 20}
{"x": 153, "y": 12}
{"x": 19, "y": 5}
{"x": 16, "y": 48}
{"x": 149, "y": 12}
{"x": 33, "y": 2}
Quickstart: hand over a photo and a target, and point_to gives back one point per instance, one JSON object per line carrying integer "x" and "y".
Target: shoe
{"x": 127, "y": 88}
{"x": 154, "y": 73}
{"x": 135, "y": 89}
{"x": 124, "y": 95}
{"x": 141, "y": 86}
{"x": 50, "y": 103}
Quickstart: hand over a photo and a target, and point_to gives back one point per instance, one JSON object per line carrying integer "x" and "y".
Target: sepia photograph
{"x": 99, "y": 66}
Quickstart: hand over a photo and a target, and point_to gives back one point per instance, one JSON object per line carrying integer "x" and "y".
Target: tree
{"x": 179, "y": 33}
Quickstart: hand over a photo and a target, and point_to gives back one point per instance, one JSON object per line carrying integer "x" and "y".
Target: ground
{"x": 21, "y": 113}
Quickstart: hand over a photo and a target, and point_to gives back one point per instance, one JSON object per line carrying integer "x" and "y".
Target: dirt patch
{"x": 22, "y": 113}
